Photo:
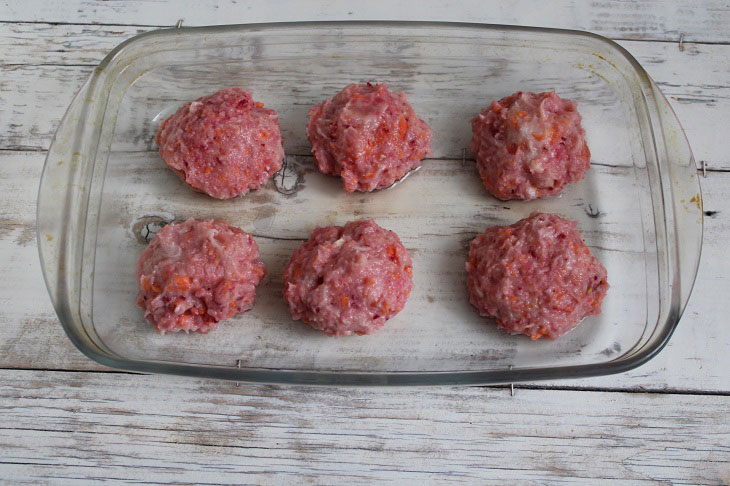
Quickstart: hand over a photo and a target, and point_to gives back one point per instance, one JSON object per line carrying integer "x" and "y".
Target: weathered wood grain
{"x": 34, "y": 92}
{"x": 696, "y": 81}
{"x": 60, "y": 44}
{"x": 35, "y": 337}
{"x": 30, "y": 102}
{"x": 652, "y": 20}
{"x": 85, "y": 428}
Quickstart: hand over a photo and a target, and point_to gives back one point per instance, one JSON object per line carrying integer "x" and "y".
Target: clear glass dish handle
{"x": 61, "y": 204}
{"x": 687, "y": 197}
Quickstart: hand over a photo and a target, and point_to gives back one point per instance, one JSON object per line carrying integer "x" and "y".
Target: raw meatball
{"x": 223, "y": 145}
{"x": 529, "y": 145}
{"x": 350, "y": 279}
{"x": 197, "y": 273}
{"x": 367, "y": 135}
{"x": 535, "y": 277}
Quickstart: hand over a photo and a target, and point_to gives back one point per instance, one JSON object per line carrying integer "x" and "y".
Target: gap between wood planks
{"x": 515, "y": 387}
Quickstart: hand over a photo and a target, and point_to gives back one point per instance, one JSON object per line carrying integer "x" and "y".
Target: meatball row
{"x": 527, "y": 145}
{"x": 535, "y": 277}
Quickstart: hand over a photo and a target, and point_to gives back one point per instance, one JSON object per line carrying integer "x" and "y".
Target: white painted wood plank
{"x": 696, "y": 81}
{"x": 26, "y": 312}
{"x": 40, "y": 43}
{"x": 698, "y": 20}
{"x": 33, "y": 100}
{"x": 694, "y": 360}
{"x": 65, "y": 428}
{"x": 34, "y": 93}
{"x": 86, "y": 427}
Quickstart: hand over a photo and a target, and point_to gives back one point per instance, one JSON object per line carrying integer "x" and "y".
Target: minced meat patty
{"x": 348, "y": 280}
{"x": 196, "y": 274}
{"x": 368, "y": 135}
{"x": 529, "y": 145}
{"x": 535, "y": 277}
{"x": 223, "y": 145}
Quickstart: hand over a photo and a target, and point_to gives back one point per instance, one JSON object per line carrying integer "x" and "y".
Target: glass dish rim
{"x": 619, "y": 365}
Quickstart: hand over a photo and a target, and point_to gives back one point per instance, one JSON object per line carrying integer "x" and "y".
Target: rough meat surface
{"x": 529, "y": 145}
{"x": 367, "y": 135}
{"x": 196, "y": 274}
{"x": 349, "y": 279}
{"x": 223, "y": 145}
{"x": 535, "y": 277}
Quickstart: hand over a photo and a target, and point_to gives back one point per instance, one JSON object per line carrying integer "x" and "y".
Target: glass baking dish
{"x": 104, "y": 192}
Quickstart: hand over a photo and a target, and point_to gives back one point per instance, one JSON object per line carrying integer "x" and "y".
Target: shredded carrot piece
{"x": 402, "y": 127}
{"x": 409, "y": 270}
{"x": 344, "y": 301}
{"x": 539, "y": 333}
{"x": 555, "y": 133}
{"x": 183, "y": 283}
{"x": 586, "y": 152}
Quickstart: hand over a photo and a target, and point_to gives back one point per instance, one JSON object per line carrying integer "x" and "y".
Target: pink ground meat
{"x": 367, "y": 135}
{"x": 223, "y": 145}
{"x": 535, "y": 277}
{"x": 348, "y": 280}
{"x": 529, "y": 145}
{"x": 196, "y": 274}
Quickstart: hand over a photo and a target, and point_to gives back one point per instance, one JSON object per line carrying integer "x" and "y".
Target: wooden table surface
{"x": 66, "y": 419}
